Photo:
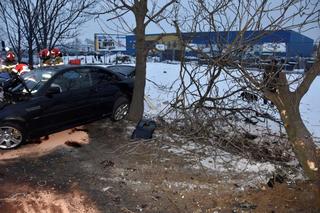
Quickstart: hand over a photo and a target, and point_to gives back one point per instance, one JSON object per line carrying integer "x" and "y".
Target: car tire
{"x": 12, "y": 135}
{"x": 120, "y": 109}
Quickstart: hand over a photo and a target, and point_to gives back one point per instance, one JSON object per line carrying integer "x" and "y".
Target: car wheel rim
{"x": 10, "y": 137}
{"x": 121, "y": 112}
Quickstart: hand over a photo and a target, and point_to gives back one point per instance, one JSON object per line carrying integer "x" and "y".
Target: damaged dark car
{"x": 52, "y": 99}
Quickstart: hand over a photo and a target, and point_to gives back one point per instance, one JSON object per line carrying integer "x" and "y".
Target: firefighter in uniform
{"x": 56, "y": 56}
{"x": 45, "y": 57}
{"x": 9, "y": 61}
{"x": 21, "y": 68}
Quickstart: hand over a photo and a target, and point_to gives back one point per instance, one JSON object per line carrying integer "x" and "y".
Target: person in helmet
{"x": 21, "y": 68}
{"x": 45, "y": 57}
{"x": 56, "y": 56}
{"x": 9, "y": 61}
{"x": 10, "y": 58}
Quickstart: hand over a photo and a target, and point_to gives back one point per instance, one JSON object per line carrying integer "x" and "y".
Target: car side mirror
{"x": 53, "y": 90}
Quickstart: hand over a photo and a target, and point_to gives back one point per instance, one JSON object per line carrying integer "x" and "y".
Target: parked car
{"x": 52, "y": 99}
{"x": 127, "y": 71}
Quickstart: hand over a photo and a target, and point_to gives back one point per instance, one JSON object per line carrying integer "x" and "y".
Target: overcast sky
{"x": 102, "y": 26}
{"x": 94, "y": 26}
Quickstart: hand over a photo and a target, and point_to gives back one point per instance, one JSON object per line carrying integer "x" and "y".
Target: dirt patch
{"x": 42, "y": 146}
{"x": 29, "y": 199}
{"x": 111, "y": 173}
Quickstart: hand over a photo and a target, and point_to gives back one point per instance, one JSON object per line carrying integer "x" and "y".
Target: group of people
{"x": 48, "y": 58}
{"x": 51, "y": 57}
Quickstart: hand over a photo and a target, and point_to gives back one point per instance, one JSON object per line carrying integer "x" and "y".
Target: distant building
{"x": 284, "y": 44}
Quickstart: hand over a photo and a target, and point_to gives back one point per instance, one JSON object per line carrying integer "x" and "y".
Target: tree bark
{"x": 30, "y": 54}
{"x": 137, "y": 103}
{"x": 301, "y": 140}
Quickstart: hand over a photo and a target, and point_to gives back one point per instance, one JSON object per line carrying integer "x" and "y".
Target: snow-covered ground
{"x": 164, "y": 75}
{"x": 310, "y": 108}
{"x": 162, "y": 85}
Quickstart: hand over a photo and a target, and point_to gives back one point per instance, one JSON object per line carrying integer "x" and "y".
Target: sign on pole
{"x": 109, "y": 42}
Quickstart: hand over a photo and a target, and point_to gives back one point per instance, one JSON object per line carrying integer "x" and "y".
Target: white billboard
{"x": 110, "y": 42}
{"x": 274, "y": 47}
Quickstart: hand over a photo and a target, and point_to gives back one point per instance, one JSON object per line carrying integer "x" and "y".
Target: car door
{"x": 106, "y": 88}
{"x": 72, "y": 106}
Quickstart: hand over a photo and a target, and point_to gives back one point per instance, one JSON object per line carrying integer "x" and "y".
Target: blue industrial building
{"x": 283, "y": 43}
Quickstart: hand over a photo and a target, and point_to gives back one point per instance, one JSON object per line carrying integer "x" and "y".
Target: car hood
{"x": 3, "y": 103}
{"x": 7, "y": 97}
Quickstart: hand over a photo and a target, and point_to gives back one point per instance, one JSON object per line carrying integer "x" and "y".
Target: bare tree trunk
{"x": 30, "y": 53}
{"x": 301, "y": 139}
{"x": 137, "y": 103}
{"x": 143, "y": 18}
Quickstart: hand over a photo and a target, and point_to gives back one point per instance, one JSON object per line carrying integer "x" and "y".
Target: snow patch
{"x": 218, "y": 160}
{"x": 227, "y": 162}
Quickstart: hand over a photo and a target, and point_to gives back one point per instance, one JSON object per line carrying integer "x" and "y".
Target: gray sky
{"x": 94, "y": 26}
{"x": 310, "y": 6}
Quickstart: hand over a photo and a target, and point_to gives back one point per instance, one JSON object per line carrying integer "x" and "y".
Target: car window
{"x": 124, "y": 70}
{"x": 128, "y": 69}
{"x": 73, "y": 80}
{"x": 102, "y": 77}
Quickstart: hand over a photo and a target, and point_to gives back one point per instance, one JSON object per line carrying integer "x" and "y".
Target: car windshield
{"x": 34, "y": 80}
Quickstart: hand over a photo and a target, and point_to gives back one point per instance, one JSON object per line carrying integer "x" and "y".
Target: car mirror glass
{"x": 53, "y": 90}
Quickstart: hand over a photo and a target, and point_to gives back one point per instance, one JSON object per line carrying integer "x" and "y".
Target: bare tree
{"x": 41, "y": 24}
{"x": 29, "y": 18}
{"x": 12, "y": 24}
{"x": 60, "y": 20}
{"x": 145, "y": 12}
{"x": 227, "y": 55}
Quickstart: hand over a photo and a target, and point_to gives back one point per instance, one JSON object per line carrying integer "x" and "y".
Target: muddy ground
{"x": 97, "y": 168}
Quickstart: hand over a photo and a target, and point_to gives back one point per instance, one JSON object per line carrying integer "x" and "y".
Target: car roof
{"x": 121, "y": 65}
{"x": 122, "y": 69}
{"x": 61, "y": 68}
{"x": 68, "y": 67}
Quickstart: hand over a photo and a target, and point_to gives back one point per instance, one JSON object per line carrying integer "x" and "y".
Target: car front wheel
{"x": 11, "y": 136}
{"x": 120, "y": 109}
